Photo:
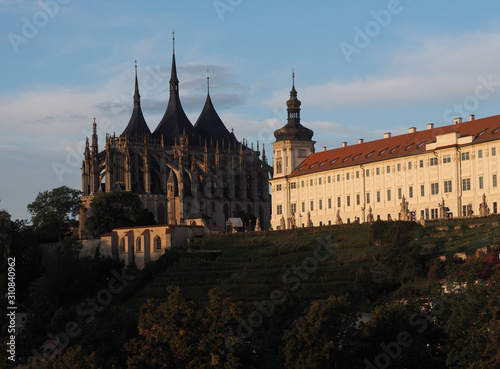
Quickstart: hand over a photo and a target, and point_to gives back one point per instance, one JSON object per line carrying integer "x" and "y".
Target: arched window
{"x": 157, "y": 243}
{"x": 122, "y": 244}
{"x": 139, "y": 246}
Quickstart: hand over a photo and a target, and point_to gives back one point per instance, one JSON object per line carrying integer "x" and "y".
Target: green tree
{"x": 473, "y": 326}
{"x": 109, "y": 210}
{"x": 174, "y": 334}
{"x": 324, "y": 338}
{"x": 54, "y": 212}
{"x": 402, "y": 333}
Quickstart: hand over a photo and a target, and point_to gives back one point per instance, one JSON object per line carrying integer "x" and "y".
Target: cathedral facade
{"x": 183, "y": 173}
{"x": 434, "y": 173}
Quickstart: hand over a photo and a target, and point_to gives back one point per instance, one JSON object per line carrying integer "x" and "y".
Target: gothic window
{"x": 157, "y": 243}
{"x": 122, "y": 244}
{"x": 138, "y": 244}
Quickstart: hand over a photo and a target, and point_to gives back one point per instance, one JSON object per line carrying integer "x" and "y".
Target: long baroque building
{"x": 182, "y": 173}
{"x": 439, "y": 172}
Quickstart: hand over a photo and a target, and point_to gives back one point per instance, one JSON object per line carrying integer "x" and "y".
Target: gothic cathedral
{"x": 180, "y": 172}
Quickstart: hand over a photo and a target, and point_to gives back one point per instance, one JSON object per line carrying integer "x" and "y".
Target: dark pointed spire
{"x": 174, "y": 81}
{"x": 137, "y": 96}
{"x": 137, "y": 124}
{"x": 175, "y": 121}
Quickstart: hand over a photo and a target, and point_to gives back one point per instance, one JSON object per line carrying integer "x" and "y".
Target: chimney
{"x": 324, "y": 148}
{"x": 360, "y": 141}
{"x": 344, "y": 144}
{"x": 472, "y": 117}
{"x": 412, "y": 130}
{"x": 457, "y": 120}
{"x": 430, "y": 126}
{"x": 387, "y": 135}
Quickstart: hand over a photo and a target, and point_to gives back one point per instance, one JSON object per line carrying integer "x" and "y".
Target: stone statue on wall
{"x": 309, "y": 221}
{"x": 339, "y": 219}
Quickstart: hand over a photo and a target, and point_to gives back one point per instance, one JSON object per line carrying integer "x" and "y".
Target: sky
{"x": 362, "y": 68}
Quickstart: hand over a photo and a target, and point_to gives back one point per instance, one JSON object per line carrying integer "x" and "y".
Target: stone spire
{"x": 137, "y": 124}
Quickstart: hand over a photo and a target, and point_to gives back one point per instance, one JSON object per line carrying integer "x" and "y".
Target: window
{"x": 338, "y": 177}
{"x": 302, "y": 184}
{"x": 367, "y": 173}
{"x": 367, "y": 197}
{"x": 122, "y": 244}
{"x": 348, "y": 202}
{"x": 293, "y": 185}
{"x": 320, "y": 180}
{"x": 278, "y": 165}
{"x": 446, "y": 159}
{"x": 410, "y": 192}
{"x": 493, "y": 151}
{"x": 409, "y": 165}
{"x": 466, "y": 184}
{"x": 388, "y": 169}
{"x": 278, "y": 187}
{"x": 422, "y": 190}
{"x": 433, "y": 161}
{"x": 279, "y": 209}
{"x": 479, "y": 154}
{"x": 377, "y": 171}
{"x": 400, "y": 193}
{"x": 358, "y": 199}
{"x": 378, "y": 196}
{"x": 494, "y": 180}
{"x": 495, "y": 209}
{"x": 447, "y": 187}
{"x": 399, "y": 167}
{"x": 388, "y": 195}
{"x": 157, "y": 243}
{"x": 293, "y": 208}
{"x": 329, "y": 203}
{"x": 139, "y": 244}
{"x": 329, "y": 179}
{"x": 320, "y": 204}
{"x": 465, "y": 156}
{"x": 481, "y": 183}
{"x": 303, "y": 206}
{"x": 357, "y": 174}
{"x": 434, "y": 213}
{"x": 338, "y": 202}
{"x": 347, "y": 176}
{"x": 310, "y": 182}
{"x": 421, "y": 164}
{"x": 434, "y": 188}
{"x": 312, "y": 205}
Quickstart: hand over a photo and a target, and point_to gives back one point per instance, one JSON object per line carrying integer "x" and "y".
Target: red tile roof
{"x": 482, "y": 130}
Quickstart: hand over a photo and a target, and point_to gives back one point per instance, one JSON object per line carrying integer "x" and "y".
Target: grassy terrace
{"x": 251, "y": 265}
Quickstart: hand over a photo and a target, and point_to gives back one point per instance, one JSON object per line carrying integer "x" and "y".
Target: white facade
{"x": 450, "y": 171}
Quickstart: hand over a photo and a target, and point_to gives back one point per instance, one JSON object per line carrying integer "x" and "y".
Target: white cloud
{"x": 429, "y": 70}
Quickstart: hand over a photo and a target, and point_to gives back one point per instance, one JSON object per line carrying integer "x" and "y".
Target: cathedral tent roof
{"x": 209, "y": 124}
{"x": 175, "y": 122}
{"x": 137, "y": 125}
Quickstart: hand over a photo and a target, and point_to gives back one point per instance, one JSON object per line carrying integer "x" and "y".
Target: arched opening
{"x": 122, "y": 244}
{"x": 138, "y": 244}
{"x": 157, "y": 243}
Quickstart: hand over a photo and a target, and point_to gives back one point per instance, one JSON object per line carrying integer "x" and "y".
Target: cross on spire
{"x": 173, "y": 40}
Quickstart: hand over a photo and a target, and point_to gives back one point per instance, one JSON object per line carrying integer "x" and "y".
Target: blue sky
{"x": 362, "y": 68}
